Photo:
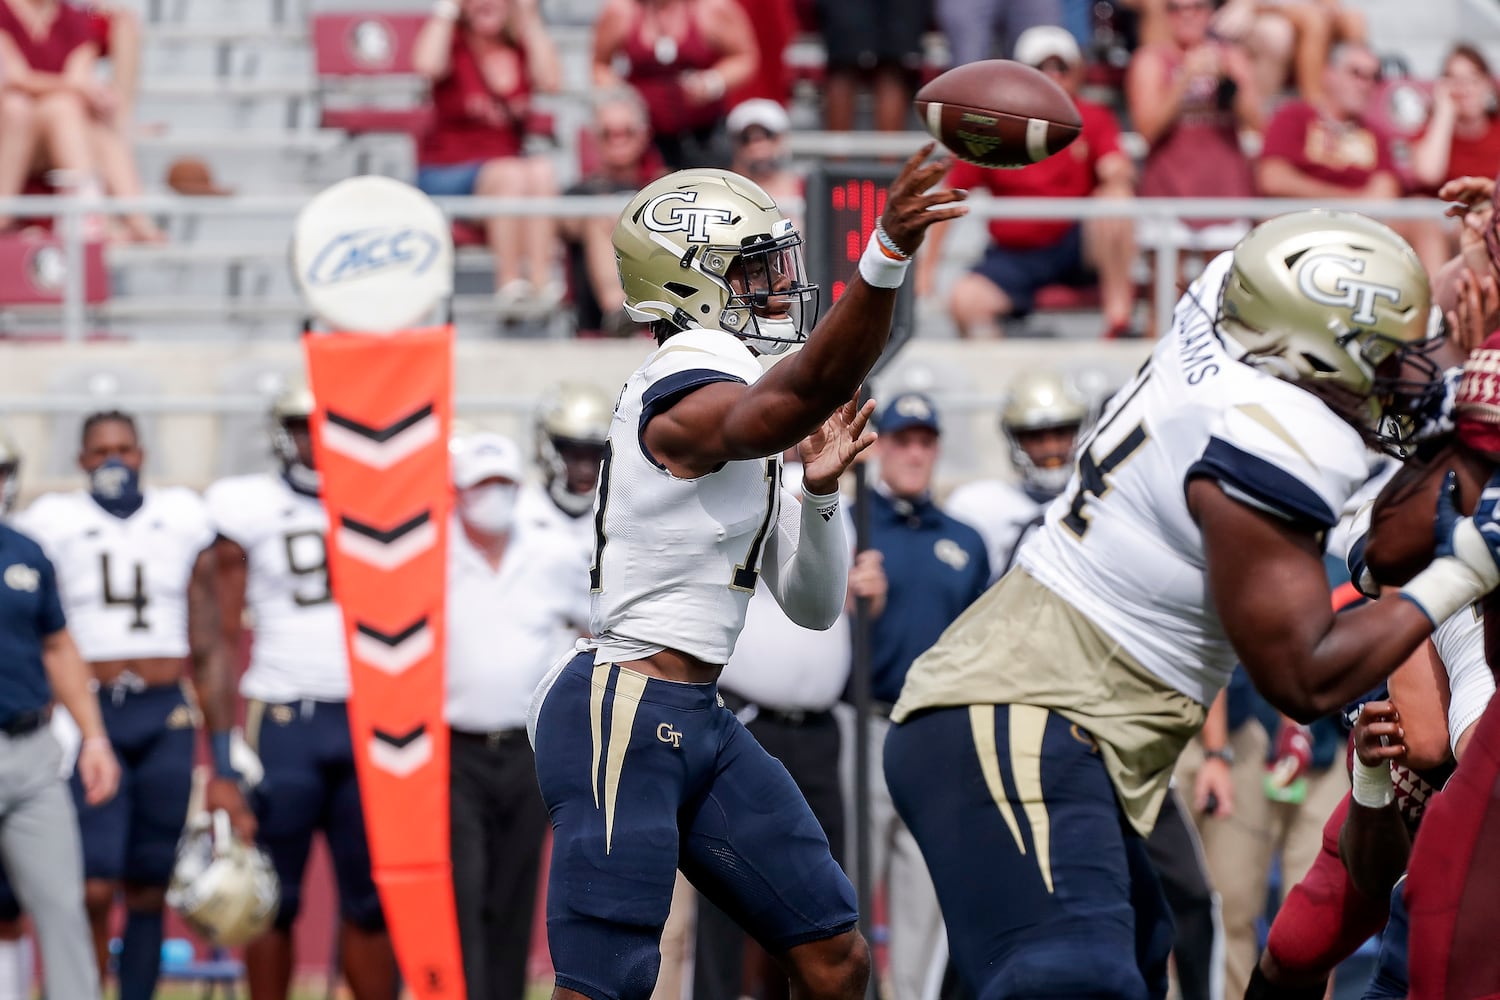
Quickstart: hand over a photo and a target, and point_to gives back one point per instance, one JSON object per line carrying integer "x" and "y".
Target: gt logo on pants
{"x": 667, "y": 734}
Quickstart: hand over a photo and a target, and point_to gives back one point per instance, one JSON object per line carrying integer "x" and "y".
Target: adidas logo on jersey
{"x": 827, "y": 511}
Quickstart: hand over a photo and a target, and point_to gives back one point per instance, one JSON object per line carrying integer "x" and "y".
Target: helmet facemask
{"x": 297, "y": 468}
{"x": 771, "y": 302}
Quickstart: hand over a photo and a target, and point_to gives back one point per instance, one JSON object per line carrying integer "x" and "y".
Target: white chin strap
{"x": 772, "y": 336}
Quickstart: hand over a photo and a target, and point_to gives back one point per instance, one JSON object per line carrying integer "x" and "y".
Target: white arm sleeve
{"x": 1460, "y": 645}
{"x": 807, "y": 565}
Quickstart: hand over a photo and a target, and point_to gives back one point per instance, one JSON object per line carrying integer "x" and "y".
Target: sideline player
{"x": 572, "y": 422}
{"x": 1042, "y": 420}
{"x": 643, "y": 768}
{"x": 273, "y": 562}
{"x": 135, "y": 570}
{"x": 1189, "y": 536}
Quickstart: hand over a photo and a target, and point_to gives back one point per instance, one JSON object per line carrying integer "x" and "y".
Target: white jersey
{"x": 1460, "y": 645}
{"x": 535, "y": 511}
{"x": 676, "y": 560}
{"x": 299, "y": 631}
{"x": 123, "y": 580}
{"x": 1119, "y": 544}
{"x": 1000, "y": 512}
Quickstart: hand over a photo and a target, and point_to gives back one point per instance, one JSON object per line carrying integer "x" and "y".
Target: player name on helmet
{"x": 1358, "y": 296}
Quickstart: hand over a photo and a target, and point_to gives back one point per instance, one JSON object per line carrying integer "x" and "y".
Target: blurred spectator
{"x": 757, "y": 131}
{"x": 1289, "y": 41}
{"x": 1462, "y": 138}
{"x": 1189, "y": 97}
{"x": 971, "y": 26}
{"x": 878, "y": 42}
{"x": 52, "y": 100}
{"x": 683, "y": 56}
{"x": 624, "y": 162}
{"x": 775, "y": 25}
{"x": 1025, "y": 255}
{"x": 484, "y": 60}
{"x": 117, "y": 33}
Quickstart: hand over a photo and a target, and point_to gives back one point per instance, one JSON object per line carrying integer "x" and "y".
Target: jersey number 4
{"x": 137, "y": 600}
{"x": 1093, "y": 473}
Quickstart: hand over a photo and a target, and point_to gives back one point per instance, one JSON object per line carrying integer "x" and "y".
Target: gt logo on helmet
{"x": 1359, "y": 297}
{"x": 680, "y": 219}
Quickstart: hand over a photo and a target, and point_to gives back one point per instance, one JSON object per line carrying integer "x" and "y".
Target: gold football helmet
{"x": 224, "y": 888}
{"x": 10, "y": 468}
{"x": 1339, "y": 304}
{"x": 710, "y": 248}
{"x": 290, "y": 415}
{"x": 1040, "y": 401}
{"x": 572, "y": 422}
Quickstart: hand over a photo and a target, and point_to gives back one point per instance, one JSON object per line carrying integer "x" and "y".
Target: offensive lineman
{"x": 272, "y": 562}
{"x": 135, "y": 570}
{"x": 1189, "y": 535}
{"x": 1042, "y": 420}
{"x": 690, "y": 515}
{"x": 572, "y": 422}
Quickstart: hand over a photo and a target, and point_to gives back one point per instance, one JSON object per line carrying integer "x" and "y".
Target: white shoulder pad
{"x": 237, "y": 507}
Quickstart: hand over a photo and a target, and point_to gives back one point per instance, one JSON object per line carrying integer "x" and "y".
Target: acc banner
{"x": 380, "y": 435}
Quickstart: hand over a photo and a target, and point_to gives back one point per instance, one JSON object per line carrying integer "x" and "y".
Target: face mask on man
{"x": 116, "y": 487}
{"x": 490, "y": 508}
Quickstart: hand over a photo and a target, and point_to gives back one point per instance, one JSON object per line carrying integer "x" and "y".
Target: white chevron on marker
{"x": 367, "y": 449}
{"x": 386, "y": 555}
{"x": 392, "y": 654}
{"x": 400, "y": 760}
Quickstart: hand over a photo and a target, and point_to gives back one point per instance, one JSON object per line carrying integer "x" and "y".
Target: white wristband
{"x": 1372, "y": 786}
{"x": 878, "y": 269}
{"x": 448, "y": 10}
{"x": 1452, "y": 583}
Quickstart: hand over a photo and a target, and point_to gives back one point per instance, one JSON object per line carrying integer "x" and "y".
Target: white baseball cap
{"x": 485, "y": 455}
{"x": 1041, "y": 42}
{"x": 758, "y": 111}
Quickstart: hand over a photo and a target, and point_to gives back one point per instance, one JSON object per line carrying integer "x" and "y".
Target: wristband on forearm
{"x": 1372, "y": 786}
{"x": 223, "y": 765}
{"x": 883, "y": 264}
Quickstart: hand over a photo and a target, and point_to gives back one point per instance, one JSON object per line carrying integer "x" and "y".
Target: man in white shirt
{"x": 513, "y": 598}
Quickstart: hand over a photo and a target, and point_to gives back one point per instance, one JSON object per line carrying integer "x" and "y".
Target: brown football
{"x": 998, "y": 113}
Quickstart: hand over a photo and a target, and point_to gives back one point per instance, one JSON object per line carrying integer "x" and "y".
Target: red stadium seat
{"x": 351, "y": 51}
{"x": 32, "y": 270}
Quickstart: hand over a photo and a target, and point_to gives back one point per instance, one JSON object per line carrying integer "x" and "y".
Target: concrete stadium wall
{"x": 187, "y": 393}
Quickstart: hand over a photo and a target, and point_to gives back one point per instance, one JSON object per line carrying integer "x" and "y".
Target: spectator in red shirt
{"x": 52, "y": 104}
{"x": 484, "y": 60}
{"x": 1326, "y": 150}
{"x": 1462, "y": 138}
{"x": 1025, "y": 255}
{"x": 684, "y": 57}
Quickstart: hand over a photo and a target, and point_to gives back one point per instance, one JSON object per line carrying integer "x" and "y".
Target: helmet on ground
{"x": 572, "y": 420}
{"x": 1042, "y": 401}
{"x": 225, "y": 889}
{"x": 709, "y": 248}
{"x": 1339, "y": 304}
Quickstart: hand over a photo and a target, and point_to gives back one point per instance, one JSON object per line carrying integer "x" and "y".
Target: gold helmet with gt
{"x": 1039, "y": 402}
{"x": 1339, "y": 304}
{"x": 291, "y": 437}
{"x": 572, "y": 421}
{"x": 709, "y": 248}
{"x": 224, "y": 888}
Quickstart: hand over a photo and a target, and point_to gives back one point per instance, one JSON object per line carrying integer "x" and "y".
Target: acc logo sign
{"x": 1359, "y": 297}
{"x": 681, "y": 217}
{"x": 19, "y": 576}
{"x": 359, "y": 252}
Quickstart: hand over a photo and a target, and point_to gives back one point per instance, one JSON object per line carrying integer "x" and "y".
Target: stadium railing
{"x": 1157, "y": 223}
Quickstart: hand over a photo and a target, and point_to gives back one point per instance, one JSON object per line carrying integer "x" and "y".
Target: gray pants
{"x": 40, "y": 848}
{"x": 971, "y": 25}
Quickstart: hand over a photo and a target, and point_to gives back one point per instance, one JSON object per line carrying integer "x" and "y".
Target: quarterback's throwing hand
{"x": 832, "y": 448}
{"x": 913, "y": 206}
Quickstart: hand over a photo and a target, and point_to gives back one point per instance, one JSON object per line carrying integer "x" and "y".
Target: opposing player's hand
{"x": 1214, "y": 787}
{"x": 1477, "y": 309}
{"x": 912, "y": 206}
{"x": 867, "y": 580}
{"x": 833, "y": 447}
{"x": 1378, "y": 736}
{"x": 225, "y": 794}
{"x": 98, "y": 770}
